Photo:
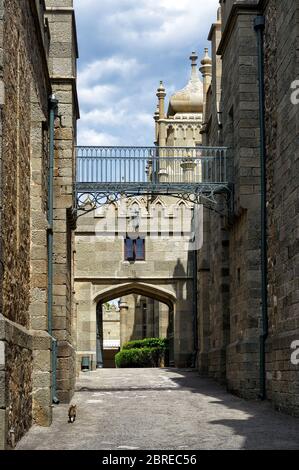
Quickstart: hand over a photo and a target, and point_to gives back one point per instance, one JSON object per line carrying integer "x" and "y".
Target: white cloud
{"x": 151, "y": 23}
{"x": 108, "y": 68}
{"x": 170, "y": 27}
{"x": 126, "y": 47}
{"x": 103, "y": 116}
{"x": 145, "y": 118}
{"x": 97, "y": 95}
{"x": 90, "y": 137}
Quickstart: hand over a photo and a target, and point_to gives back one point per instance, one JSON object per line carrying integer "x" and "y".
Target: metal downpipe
{"x": 53, "y": 105}
{"x": 195, "y": 291}
{"x": 259, "y": 26}
{"x": 195, "y": 310}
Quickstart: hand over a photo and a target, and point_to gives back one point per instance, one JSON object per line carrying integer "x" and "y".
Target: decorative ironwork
{"x": 105, "y": 174}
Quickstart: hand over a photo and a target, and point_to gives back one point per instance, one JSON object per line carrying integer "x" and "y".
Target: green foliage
{"x": 147, "y": 343}
{"x": 140, "y": 357}
{"x": 147, "y": 352}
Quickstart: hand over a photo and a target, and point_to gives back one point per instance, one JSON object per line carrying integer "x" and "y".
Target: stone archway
{"x": 148, "y": 290}
{"x": 92, "y": 295}
{"x": 154, "y": 319}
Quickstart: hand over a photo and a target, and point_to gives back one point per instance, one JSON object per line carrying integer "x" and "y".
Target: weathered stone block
{"x": 64, "y": 349}
{"x": 42, "y": 361}
{"x": 3, "y": 429}
{"x": 2, "y": 354}
{"x": 3, "y": 390}
{"x": 42, "y": 409}
{"x": 41, "y": 340}
{"x": 41, "y": 380}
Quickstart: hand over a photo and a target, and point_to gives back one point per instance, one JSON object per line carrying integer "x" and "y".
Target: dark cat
{"x": 72, "y": 413}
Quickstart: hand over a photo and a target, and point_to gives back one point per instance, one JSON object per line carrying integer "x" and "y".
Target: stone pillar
{"x": 123, "y": 312}
{"x": 161, "y": 94}
{"x": 206, "y": 71}
{"x": 163, "y": 174}
{"x": 62, "y": 64}
{"x": 188, "y": 166}
{"x": 156, "y": 119}
{"x": 203, "y": 301}
{"x": 100, "y": 338}
{"x": 149, "y": 318}
{"x": 163, "y": 320}
{"x": 41, "y": 379}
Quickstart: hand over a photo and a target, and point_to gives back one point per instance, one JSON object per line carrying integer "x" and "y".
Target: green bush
{"x": 148, "y": 352}
{"x": 140, "y": 357}
{"x": 147, "y": 343}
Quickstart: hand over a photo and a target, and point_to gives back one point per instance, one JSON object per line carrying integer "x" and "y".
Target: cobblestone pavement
{"x": 162, "y": 409}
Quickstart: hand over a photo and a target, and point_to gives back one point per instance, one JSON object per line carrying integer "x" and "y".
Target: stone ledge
{"x": 13, "y": 333}
{"x": 236, "y": 10}
{"x": 65, "y": 349}
{"x": 41, "y": 340}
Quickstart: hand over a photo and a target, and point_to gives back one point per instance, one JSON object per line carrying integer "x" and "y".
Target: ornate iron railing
{"x": 193, "y": 173}
{"x": 133, "y": 165}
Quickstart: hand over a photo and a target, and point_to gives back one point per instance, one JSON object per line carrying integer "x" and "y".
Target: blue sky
{"x": 126, "y": 47}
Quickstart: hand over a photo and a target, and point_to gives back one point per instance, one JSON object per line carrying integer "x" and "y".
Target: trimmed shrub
{"x": 139, "y": 357}
{"x": 148, "y": 352}
{"x": 147, "y": 343}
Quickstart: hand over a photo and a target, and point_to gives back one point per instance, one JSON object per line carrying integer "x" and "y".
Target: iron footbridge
{"x": 194, "y": 174}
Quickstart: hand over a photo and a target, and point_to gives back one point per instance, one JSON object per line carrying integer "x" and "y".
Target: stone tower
{"x": 181, "y": 126}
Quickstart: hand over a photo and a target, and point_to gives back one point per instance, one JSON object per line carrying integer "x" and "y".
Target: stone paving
{"x": 168, "y": 409}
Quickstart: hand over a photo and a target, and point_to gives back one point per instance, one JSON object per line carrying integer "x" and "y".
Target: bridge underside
{"x": 194, "y": 174}
{"x": 90, "y": 196}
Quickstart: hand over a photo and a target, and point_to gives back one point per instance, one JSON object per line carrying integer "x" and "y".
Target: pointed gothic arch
{"x": 148, "y": 290}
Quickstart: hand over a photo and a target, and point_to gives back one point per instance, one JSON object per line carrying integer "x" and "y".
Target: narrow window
{"x": 129, "y": 249}
{"x": 139, "y": 249}
{"x": 134, "y": 249}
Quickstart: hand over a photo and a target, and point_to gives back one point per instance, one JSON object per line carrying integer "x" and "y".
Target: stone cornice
{"x": 180, "y": 121}
{"x": 237, "y": 9}
{"x": 73, "y": 82}
{"x": 64, "y": 10}
{"x": 213, "y": 27}
{"x": 116, "y": 281}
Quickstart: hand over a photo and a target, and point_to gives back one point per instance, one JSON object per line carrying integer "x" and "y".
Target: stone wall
{"x": 230, "y": 329}
{"x": 229, "y": 264}
{"x": 241, "y": 126}
{"x": 2, "y": 93}
{"x": 281, "y": 69}
{"x": 26, "y": 347}
{"x": 24, "y": 111}
{"x": 17, "y": 385}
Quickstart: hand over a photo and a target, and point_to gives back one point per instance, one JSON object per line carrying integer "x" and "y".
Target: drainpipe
{"x": 195, "y": 290}
{"x": 259, "y": 26}
{"x": 195, "y": 306}
{"x": 53, "y": 105}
